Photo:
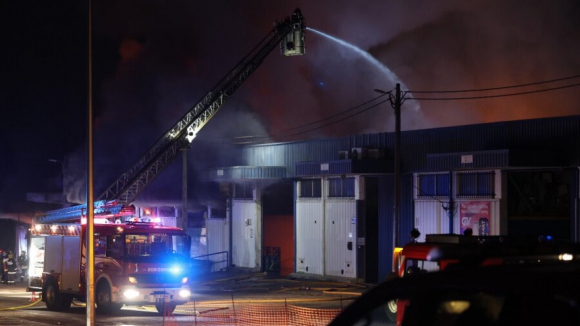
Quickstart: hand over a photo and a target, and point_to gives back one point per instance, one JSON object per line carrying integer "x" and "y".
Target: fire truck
{"x": 419, "y": 256}
{"x": 138, "y": 261}
{"x": 445, "y": 251}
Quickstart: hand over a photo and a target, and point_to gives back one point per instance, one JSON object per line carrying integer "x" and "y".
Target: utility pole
{"x": 90, "y": 255}
{"x": 396, "y": 103}
{"x": 397, "y": 199}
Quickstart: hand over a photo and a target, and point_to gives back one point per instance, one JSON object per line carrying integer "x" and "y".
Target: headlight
{"x": 131, "y": 293}
{"x": 132, "y": 279}
{"x": 184, "y": 293}
{"x": 566, "y": 257}
{"x": 184, "y": 280}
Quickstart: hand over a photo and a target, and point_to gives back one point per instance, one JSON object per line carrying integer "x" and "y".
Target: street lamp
{"x": 396, "y": 102}
{"x": 61, "y": 178}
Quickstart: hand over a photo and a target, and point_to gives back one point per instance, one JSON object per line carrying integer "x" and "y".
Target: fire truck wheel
{"x": 391, "y": 310}
{"x": 104, "y": 297}
{"x": 53, "y": 297}
{"x": 169, "y": 308}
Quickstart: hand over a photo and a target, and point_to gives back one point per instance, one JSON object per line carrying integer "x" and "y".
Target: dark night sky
{"x": 153, "y": 60}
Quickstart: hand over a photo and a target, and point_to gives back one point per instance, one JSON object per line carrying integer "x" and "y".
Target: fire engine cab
{"x": 445, "y": 251}
{"x": 420, "y": 256}
{"x": 136, "y": 263}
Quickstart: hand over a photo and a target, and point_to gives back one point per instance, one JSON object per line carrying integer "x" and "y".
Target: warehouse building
{"x": 325, "y": 207}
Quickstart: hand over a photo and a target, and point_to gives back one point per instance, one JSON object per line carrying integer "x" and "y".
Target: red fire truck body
{"x": 135, "y": 264}
{"x": 415, "y": 256}
{"x": 441, "y": 251}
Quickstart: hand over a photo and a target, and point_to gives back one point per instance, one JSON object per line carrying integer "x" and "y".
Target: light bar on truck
{"x": 95, "y": 221}
{"x": 56, "y": 229}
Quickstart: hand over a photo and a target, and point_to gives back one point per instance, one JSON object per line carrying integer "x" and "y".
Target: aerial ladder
{"x": 116, "y": 200}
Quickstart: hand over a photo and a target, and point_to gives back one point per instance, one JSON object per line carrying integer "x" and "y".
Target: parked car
{"x": 544, "y": 293}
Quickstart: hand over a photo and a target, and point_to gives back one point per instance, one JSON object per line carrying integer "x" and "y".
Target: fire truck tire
{"x": 103, "y": 300}
{"x": 169, "y": 308}
{"x": 391, "y": 310}
{"x": 52, "y": 297}
{"x": 66, "y": 301}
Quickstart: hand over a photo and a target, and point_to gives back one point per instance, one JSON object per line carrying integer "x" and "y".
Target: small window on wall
{"x": 310, "y": 188}
{"x": 244, "y": 191}
{"x": 433, "y": 185}
{"x": 479, "y": 184}
{"x": 341, "y": 187}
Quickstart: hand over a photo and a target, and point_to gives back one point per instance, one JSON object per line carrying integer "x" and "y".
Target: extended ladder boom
{"x": 288, "y": 33}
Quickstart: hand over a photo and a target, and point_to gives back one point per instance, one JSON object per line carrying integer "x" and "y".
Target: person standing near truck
{"x": 2, "y": 265}
{"x": 11, "y": 268}
{"x": 5, "y": 264}
{"x": 23, "y": 265}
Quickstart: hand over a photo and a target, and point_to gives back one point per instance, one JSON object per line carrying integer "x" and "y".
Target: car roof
{"x": 541, "y": 280}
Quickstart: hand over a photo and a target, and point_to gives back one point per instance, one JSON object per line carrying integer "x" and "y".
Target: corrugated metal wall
{"x": 251, "y": 172}
{"x": 431, "y": 217}
{"x": 407, "y": 210}
{"x": 218, "y": 240}
{"x": 309, "y": 236}
{"x": 448, "y": 161}
{"x": 575, "y": 204}
{"x": 340, "y": 237}
{"x": 560, "y": 134}
{"x": 385, "y": 232}
{"x": 386, "y": 188}
{"x": 246, "y": 233}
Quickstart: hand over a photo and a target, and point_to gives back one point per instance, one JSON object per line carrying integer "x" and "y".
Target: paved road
{"x": 213, "y": 293}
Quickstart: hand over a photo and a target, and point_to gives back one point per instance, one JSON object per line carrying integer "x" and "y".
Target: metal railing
{"x": 215, "y": 262}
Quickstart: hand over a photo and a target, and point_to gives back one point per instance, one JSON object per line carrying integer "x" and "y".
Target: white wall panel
{"x": 430, "y": 218}
{"x": 340, "y": 230}
{"x": 309, "y": 236}
{"x": 246, "y": 233}
{"x": 217, "y": 230}
{"x": 169, "y": 221}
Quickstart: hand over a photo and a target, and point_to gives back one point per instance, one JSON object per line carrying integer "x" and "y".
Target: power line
{"x": 280, "y": 134}
{"x": 496, "y": 88}
{"x": 421, "y": 99}
{"x": 335, "y": 115}
{"x": 333, "y": 122}
{"x": 490, "y": 96}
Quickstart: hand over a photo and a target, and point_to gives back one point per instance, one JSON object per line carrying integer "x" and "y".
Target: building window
{"x": 478, "y": 184}
{"x": 341, "y": 187}
{"x": 244, "y": 191}
{"x": 310, "y": 188}
{"x": 433, "y": 185}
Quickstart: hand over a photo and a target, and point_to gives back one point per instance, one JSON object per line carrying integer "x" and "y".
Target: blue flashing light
{"x": 176, "y": 269}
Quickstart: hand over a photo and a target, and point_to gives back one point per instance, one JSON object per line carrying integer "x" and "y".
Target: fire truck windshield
{"x": 413, "y": 266}
{"x": 155, "y": 244}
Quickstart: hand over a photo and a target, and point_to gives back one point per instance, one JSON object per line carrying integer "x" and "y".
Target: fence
{"x": 250, "y": 314}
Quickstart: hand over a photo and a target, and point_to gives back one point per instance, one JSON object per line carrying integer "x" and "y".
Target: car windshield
{"x": 413, "y": 266}
{"x": 154, "y": 244}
